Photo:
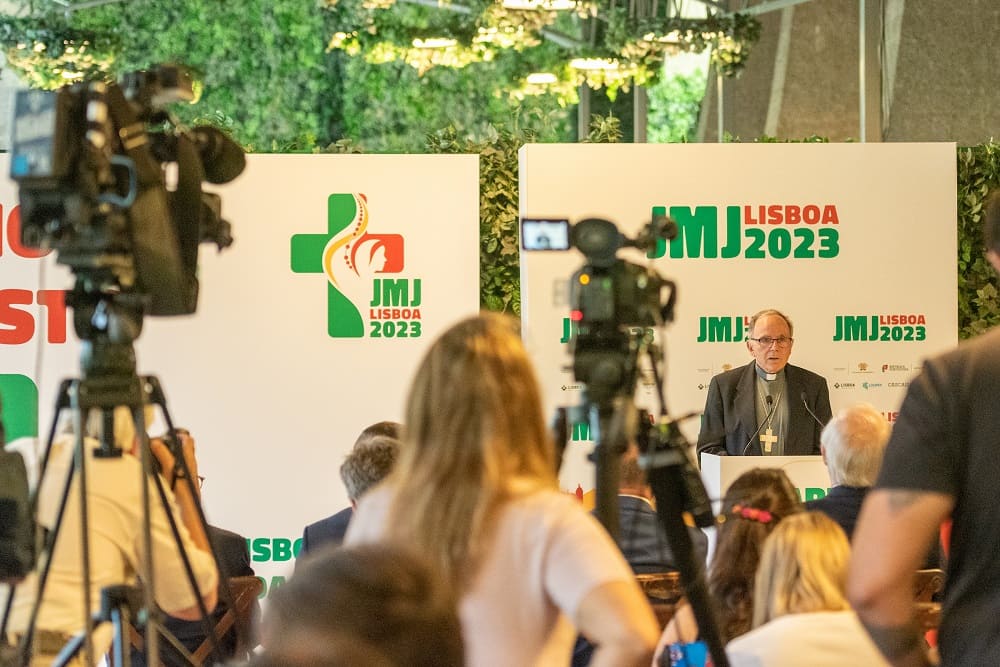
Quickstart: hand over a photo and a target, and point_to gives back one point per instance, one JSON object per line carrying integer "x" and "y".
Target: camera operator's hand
{"x": 182, "y": 490}
{"x": 171, "y": 471}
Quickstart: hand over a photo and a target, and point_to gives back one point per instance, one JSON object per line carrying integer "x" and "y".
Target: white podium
{"x": 808, "y": 473}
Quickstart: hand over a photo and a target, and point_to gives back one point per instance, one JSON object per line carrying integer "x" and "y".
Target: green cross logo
{"x": 314, "y": 253}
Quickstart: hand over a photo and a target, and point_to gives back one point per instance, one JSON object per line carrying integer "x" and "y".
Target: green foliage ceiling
{"x": 622, "y": 43}
{"x": 264, "y": 62}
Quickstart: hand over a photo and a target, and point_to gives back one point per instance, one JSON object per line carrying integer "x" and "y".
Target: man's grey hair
{"x": 854, "y": 442}
{"x": 387, "y": 429}
{"x": 768, "y": 311}
{"x": 368, "y": 464}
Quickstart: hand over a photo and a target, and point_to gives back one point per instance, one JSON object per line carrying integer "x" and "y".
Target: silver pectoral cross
{"x": 768, "y": 438}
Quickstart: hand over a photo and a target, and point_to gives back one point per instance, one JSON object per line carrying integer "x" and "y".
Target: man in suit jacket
{"x": 368, "y": 463}
{"x": 767, "y": 407}
{"x": 330, "y": 530}
{"x": 852, "y": 444}
{"x": 641, "y": 537}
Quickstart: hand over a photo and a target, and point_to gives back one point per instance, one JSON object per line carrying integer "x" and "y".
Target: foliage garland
{"x": 978, "y": 303}
{"x": 636, "y": 47}
{"x": 273, "y": 95}
{"x": 47, "y": 52}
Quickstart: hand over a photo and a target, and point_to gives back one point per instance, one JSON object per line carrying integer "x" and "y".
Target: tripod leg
{"x": 157, "y": 397}
{"x": 667, "y": 483}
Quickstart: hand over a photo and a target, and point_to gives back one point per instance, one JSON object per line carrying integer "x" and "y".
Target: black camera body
{"x": 613, "y": 303}
{"x": 90, "y": 161}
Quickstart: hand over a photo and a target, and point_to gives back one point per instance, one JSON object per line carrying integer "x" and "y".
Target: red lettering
{"x": 830, "y": 215}
{"x": 811, "y": 214}
{"x": 53, "y": 302}
{"x": 793, "y": 215}
{"x": 20, "y": 322}
{"x": 774, "y": 214}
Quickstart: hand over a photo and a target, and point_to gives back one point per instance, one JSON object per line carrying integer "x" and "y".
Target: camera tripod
{"x": 610, "y": 377}
{"x": 107, "y": 325}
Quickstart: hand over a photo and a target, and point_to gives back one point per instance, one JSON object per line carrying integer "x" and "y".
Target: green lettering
{"x": 261, "y": 549}
{"x": 395, "y": 292}
{"x": 697, "y": 232}
{"x": 813, "y": 493}
{"x": 733, "y": 236}
{"x": 720, "y": 329}
{"x": 282, "y": 548}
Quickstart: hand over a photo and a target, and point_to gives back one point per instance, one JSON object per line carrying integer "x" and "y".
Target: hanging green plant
{"x": 45, "y": 52}
{"x": 648, "y": 40}
{"x": 562, "y": 86}
{"x": 515, "y": 29}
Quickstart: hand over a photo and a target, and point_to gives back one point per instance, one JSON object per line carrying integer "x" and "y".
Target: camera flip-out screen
{"x": 549, "y": 234}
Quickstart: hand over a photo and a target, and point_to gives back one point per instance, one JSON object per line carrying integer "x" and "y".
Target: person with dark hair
{"x": 475, "y": 491}
{"x": 767, "y": 407}
{"x": 364, "y": 471}
{"x": 370, "y": 605}
{"x": 753, "y": 505}
{"x": 642, "y": 538}
{"x": 941, "y": 462}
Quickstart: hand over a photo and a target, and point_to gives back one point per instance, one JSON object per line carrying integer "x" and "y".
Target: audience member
{"x": 475, "y": 490}
{"x": 370, "y": 605}
{"x": 642, "y": 539}
{"x": 332, "y": 529}
{"x": 116, "y": 537}
{"x": 754, "y": 504}
{"x": 941, "y": 462}
{"x": 800, "y": 610}
{"x": 641, "y": 536}
{"x": 852, "y": 445}
{"x": 234, "y": 561}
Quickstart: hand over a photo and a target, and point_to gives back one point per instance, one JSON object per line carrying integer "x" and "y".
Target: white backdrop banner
{"x": 308, "y": 328}
{"x": 856, "y": 243}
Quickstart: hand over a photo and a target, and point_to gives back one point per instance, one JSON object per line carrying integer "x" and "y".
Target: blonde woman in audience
{"x": 753, "y": 505}
{"x": 801, "y": 615}
{"x": 475, "y": 491}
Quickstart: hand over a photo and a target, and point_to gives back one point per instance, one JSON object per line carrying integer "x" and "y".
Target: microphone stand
{"x": 805, "y": 404}
{"x": 771, "y": 407}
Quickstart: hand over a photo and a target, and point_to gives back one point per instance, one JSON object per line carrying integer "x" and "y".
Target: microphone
{"x": 812, "y": 414}
{"x": 770, "y": 410}
{"x": 222, "y": 158}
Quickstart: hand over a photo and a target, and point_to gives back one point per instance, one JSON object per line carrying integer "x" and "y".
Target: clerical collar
{"x": 764, "y": 375}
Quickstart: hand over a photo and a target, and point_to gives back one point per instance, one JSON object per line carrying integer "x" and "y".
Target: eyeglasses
{"x": 767, "y": 341}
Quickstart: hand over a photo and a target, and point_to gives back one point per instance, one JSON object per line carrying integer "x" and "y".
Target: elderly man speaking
{"x": 767, "y": 407}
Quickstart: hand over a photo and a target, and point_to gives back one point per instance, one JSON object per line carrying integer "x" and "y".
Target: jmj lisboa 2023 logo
{"x": 360, "y": 301}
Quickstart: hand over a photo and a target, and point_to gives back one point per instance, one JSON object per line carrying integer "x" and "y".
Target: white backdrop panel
{"x": 891, "y": 251}
{"x": 272, "y": 399}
